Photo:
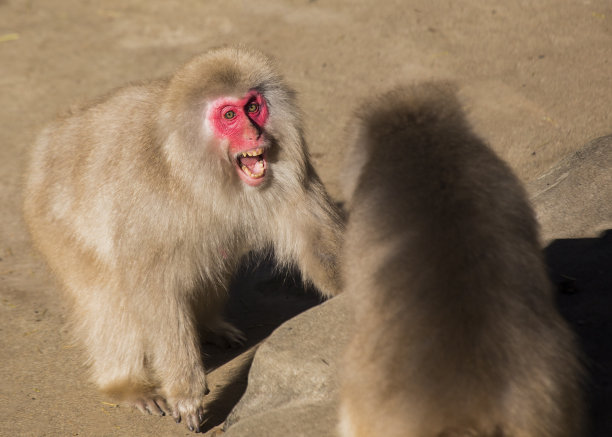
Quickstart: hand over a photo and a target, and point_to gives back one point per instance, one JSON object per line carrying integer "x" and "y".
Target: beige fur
{"x": 456, "y": 332}
{"x": 142, "y": 217}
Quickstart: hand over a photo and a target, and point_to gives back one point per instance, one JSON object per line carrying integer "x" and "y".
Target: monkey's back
{"x": 82, "y": 168}
{"x": 455, "y": 326}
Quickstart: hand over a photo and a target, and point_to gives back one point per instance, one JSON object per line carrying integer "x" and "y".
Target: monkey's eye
{"x": 252, "y": 107}
{"x": 229, "y": 115}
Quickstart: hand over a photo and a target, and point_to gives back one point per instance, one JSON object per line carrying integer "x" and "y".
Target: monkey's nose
{"x": 252, "y": 133}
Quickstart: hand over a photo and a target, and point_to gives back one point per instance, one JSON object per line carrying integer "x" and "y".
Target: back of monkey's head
{"x": 394, "y": 123}
{"x": 423, "y": 108}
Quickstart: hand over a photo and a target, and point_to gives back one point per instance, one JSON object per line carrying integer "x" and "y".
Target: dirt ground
{"x": 535, "y": 79}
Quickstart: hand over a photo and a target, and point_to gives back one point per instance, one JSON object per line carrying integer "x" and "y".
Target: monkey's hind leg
{"x": 174, "y": 346}
{"x": 115, "y": 344}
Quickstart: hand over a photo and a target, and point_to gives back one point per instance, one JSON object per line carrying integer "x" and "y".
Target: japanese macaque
{"x": 144, "y": 202}
{"x": 455, "y": 332}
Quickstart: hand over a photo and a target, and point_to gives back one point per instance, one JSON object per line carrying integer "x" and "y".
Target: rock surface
{"x": 574, "y": 198}
{"x": 293, "y": 385}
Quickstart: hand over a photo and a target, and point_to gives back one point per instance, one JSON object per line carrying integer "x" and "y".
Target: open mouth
{"x": 252, "y": 166}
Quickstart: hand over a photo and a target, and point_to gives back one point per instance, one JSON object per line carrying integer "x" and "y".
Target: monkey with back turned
{"x": 144, "y": 202}
{"x": 456, "y": 332}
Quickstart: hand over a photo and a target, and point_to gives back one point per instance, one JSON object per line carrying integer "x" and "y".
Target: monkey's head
{"x": 229, "y": 115}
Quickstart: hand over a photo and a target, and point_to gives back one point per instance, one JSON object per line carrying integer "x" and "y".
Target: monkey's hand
{"x": 185, "y": 396}
{"x": 189, "y": 410}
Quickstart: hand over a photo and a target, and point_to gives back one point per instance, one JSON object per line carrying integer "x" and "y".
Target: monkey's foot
{"x": 224, "y": 334}
{"x": 151, "y": 404}
{"x": 191, "y": 412}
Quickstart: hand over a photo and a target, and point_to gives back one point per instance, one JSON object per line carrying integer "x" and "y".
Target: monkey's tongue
{"x": 254, "y": 164}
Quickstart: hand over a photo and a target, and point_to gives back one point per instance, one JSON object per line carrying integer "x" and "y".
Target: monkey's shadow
{"x": 261, "y": 298}
{"x": 582, "y": 272}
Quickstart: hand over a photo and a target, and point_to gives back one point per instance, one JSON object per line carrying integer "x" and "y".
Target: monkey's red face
{"x": 240, "y": 123}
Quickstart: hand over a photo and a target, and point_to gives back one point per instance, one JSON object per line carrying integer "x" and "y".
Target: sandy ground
{"x": 534, "y": 78}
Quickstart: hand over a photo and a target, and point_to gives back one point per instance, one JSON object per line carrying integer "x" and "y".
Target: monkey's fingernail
{"x": 190, "y": 427}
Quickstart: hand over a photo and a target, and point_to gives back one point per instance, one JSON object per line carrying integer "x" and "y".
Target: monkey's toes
{"x": 225, "y": 334}
{"x": 194, "y": 419}
{"x": 235, "y": 338}
{"x": 153, "y": 404}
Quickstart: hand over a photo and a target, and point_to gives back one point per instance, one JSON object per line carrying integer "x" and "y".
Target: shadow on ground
{"x": 582, "y": 271}
{"x": 261, "y": 299}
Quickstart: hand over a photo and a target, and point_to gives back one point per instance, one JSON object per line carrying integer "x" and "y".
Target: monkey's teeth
{"x": 255, "y": 152}
{"x": 252, "y": 163}
{"x": 260, "y": 171}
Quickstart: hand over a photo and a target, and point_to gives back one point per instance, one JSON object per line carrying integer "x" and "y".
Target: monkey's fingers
{"x": 161, "y": 404}
{"x": 224, "y": 334}
{"x": 194, "y": 421}
{"x": 236, "y": 338}
{"x": 155, "y": 405}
